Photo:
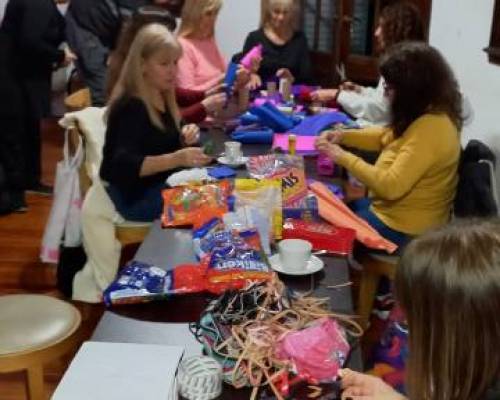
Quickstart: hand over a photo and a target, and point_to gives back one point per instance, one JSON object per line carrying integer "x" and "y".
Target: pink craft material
{"x": 252, "y": 54}
{"x": 325, "y": 165}
{"x": 317, "y": 352}
{"x": 304, "y": 144}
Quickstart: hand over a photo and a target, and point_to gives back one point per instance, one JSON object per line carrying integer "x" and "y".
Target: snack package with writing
{"x": 193, "y": 204}
{"x": 322, "y": 235}
{"x": 234, "y": 259}
{"x": 140, "y": 283}
{"x": 265, "y": 196}
{"x": 288, "y": 168}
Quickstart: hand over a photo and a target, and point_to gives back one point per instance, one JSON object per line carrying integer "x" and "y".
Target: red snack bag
{"x": 322, "y": 235}
{"x": 194, "y": 204}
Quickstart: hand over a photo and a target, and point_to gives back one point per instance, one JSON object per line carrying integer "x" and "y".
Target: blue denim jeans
{"x": 145, "y": 208}
{"x": 362, "y": 209}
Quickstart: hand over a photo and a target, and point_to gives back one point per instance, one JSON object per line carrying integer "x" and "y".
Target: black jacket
{"x": 104, "y": 17}
{"x": 36, "y": 29}
{"x": 476, "y": 195}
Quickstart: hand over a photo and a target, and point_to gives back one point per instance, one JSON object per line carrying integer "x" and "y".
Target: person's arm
{"x": 413, "y": 160}
{"x": 370, "y": 139}
{"x": 37, "y": 16}
{"x": 370, "y": 105}
{"x": 188, "y": 97}
{"x": 194, "y": 114}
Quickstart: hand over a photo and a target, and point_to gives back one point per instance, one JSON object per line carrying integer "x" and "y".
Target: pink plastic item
{"x": 317, "y": 352}
{"x": 247, "y": 59}
{"x": 325, "y": 165}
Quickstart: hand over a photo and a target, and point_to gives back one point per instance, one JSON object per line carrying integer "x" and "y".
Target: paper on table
{"x": 109, "y": 371}
{"x": 116, "y": 328}
{"x": 304, "y": 144}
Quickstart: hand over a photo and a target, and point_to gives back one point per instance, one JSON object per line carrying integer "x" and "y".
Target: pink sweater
{"x": 201, "y": 65}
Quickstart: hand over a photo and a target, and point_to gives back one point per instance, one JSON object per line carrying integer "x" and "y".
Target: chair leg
{"x": 366, "y": 296}
{"x": 35, "y": 385}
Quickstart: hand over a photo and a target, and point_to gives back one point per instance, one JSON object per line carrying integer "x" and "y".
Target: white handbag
{"x": 64, "y": 218}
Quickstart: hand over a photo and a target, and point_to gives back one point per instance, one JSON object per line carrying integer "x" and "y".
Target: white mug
{"x": 294, "y": 254}
{"x": 232, "y": 151}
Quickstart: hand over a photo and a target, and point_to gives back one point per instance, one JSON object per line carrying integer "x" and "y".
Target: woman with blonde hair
{"x": 285, "y": 52}
{"x": 145, "y": 141}
{"x": 202, "y": 65}
{"x": 448, "y": 285}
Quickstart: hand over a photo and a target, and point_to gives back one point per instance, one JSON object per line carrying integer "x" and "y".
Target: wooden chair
{"x": 35, "y": 330}
{"x": 374, "y": 267}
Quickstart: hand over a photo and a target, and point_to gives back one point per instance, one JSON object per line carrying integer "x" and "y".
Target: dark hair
{"x": 448, "y": 285}
{"x": 143, "y": 16}
{"x": 400, "y": 21}
{"x": 422, "y": 81}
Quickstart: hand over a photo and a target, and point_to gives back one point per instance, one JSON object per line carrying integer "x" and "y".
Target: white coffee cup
{"x": 232, "y": 151}
{"x": 294, "y": 254}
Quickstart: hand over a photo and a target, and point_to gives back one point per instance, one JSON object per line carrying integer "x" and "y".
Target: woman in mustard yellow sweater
{"x": 412, "y": 184}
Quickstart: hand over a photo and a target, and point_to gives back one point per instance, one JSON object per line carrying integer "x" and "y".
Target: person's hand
{"x": 324, "y": 95}
{"x": 190, "y": 134}
{"x": 214, "y": 103}
{"x": 284, "y": 73}
{"x": 254, "y": 82}
{"x": 219, "y": 87}
{"x": 333, "y": 137}
{"x": 255, "y": 64}
{"x": 332, "y": 150}
{"x": 358, "y": 386}
{"x": 351, "y": 86}
{"x": 242, "y": 77}
{"x": 69, "y": 57}
{"x": 192, "y": 157}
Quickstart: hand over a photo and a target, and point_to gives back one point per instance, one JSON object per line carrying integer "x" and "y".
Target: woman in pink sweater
{"x": 202, "y": 65}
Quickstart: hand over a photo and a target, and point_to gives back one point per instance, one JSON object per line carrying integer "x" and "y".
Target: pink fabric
{"x": 201, "y": 65}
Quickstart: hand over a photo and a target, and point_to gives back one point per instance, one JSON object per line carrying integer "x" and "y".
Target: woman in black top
{"x": 144, "y": 141}
{"x": 35, "y": 29}
{"x": 448, "y": 286}
{"x": 285, "y": 51}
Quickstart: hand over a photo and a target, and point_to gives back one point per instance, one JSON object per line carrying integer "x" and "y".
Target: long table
{"x": 167, "y": 248}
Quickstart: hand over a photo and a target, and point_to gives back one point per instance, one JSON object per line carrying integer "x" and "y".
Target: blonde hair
{"x": 193, "y": 11}
{"x": 150, "y": 40}
{"x": 266, "y": 6}
{"x": 448, "y": 285}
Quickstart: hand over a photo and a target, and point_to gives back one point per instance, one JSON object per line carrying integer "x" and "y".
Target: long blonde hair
{"x": 149, "y": 40}
{"x": 192, "y": 12}
{"x": 266, "y": 7}
{"x": 448, "y": 284}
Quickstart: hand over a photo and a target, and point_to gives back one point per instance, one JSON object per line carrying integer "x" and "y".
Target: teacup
{"x": 232, "y": 151}
{"x": 294, "y": 254}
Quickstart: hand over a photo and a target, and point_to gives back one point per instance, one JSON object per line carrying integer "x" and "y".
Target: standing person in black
{"x": 93, "y": 27}
{"x": 285, "y": 51}
{"x": 36, "y": 30}
{"x": 145, "y": 141}
{"x": 11, "y": 132}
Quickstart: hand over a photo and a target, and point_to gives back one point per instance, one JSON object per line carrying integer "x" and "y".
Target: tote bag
{"x": 64, "y": 218}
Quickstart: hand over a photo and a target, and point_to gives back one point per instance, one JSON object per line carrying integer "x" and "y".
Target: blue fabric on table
{"x": 314, "y": 125}
{"x": 273, "y": 118}
{"x": 255, "y": 135}
{"x": 249, "y": 119}
{"x": 221, "y": 172}
{"x": 230, "y": 78}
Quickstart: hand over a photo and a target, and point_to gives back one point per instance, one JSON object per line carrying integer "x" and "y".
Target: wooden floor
{"x": 22, "y": 272}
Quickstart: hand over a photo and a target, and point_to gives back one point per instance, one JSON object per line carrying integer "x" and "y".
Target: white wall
{"x": 460, "y": 29}
{"x": 237, "y": 18}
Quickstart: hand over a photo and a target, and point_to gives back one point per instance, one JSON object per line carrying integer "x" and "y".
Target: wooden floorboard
{"x": 22, "y": 272}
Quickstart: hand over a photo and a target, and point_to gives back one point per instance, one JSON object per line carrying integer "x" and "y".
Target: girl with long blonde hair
{"x": 145, "y": 141}
{"x": 448, "y": 286}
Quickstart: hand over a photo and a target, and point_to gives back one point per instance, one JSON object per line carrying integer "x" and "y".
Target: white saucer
{"x": 235, "y": 163}
{"x": 314, "y": 265}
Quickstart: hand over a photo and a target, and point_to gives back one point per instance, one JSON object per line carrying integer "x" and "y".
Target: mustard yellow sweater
{"x": 413, "y": 182}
